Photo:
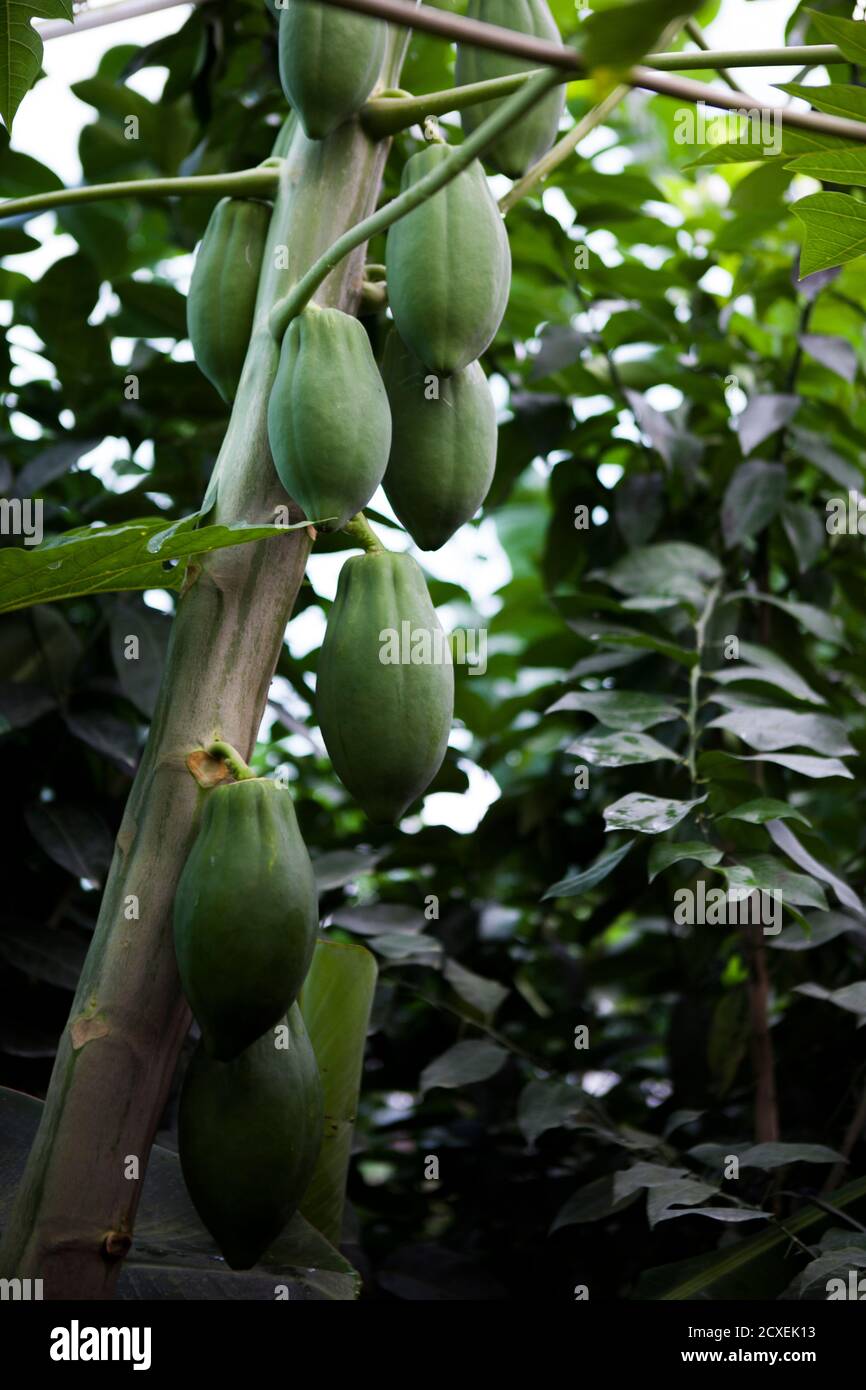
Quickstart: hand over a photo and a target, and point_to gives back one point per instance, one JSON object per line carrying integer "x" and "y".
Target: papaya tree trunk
{"x": 74, "y": 1212}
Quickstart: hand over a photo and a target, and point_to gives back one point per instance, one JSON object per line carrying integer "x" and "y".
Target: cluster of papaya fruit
{"x": 424, "y": 426}
{"x": 422, "y": 423}
{"x": 251, "y": 1111}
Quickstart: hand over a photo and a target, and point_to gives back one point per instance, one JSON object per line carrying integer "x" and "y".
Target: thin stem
{"x": 385, "y": 115}
{"x": 564, "y": 147}
{"x": 459, "y": 159}
{"x": 232, "y": 759}
{"x": 694, "y": 683}
{"x": 360, "y": 530}
{"x": 811, "y": 55}
{"x": 650, "y": 78}
{"x": 261, "y": 183}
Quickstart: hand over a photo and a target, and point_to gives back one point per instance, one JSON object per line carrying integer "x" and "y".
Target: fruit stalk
{"x": 76, "y": 1203}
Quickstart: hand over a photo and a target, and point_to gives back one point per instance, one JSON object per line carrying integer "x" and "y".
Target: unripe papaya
{"x": 221, "y": 302}
{"x": 249, "y": 1133}
{"x": 385, "y": 692}
{"x": 329, "y": 62}
{"x": 527, "y": 140}
{"x": 329, "y": 423}
{"x": 448, "y": 267}
{"x": 245, "y": 914}
{"x": 443, "y": 446}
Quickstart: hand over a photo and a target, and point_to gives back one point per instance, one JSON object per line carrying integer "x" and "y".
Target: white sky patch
{"x": 599, "y": 516}
{"x": 555, "y": 204}
{"x": 598, "y": 1083}
{"x": 463, "y": 812}
{"x": 306, "y": 632}
{"x": 653, "y": 257}
{"x": 625, "y": 428}
{"x": 158, "y": 599}
{"x": 717, "y": 280}
{"x": 664, "y": 212}
{"x": 664, "y": 397}
{"x": 614, "y": 160}
{"x": 609, "y": 474}
{"x": 604, "y": 245}
{"x": 585, "y": 407}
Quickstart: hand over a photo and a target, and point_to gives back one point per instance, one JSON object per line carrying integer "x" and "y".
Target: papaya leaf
{"x": 738, "y": 1270}
{"x": 141, "y": 554}
{"x": 21, "y": 48}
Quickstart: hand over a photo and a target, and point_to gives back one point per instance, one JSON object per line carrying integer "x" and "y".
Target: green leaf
{"x": 592, "y": 1203}
{"x": 769, "y": 729}
{"x": 815, "y": 620}
{"x": 836, "y": 165}
{"x": 576, "y": 884}
{"x": 835, "y": 98}
{"x": 752, "y": 498}
{"x": 651, "y": 815}
{"x": 463, "y": 1065}
{"x": 484, "y": 995}
{"x": 849, "y": 35}
{"x": 775, "y": 1155}
{"x": 851, "y": 998}
{"x": 818, "y": 929}
{"x": 721, "y": 1272}
{"x": 677, "y": 569}
{"x": 546, "y": 1105}
{"x": 765, "y": 874}
{"x": 335, "y": 1002}
{"x": 618, "y": 37}
{"x": 620, "y": 709}
{"x": 762, "y": 665}
{"x": 21, "y": 48}
{"x": 619, "y": 748}
{"x": 835, "y": 230}
{"x": 338, "y": 867}
{"x": 713, "y": 763}
{"x": 643, "y": 640}
{"x": 664, "y": 853}
{"x": 762, "y": 809}
{"x": 141, "y": 554}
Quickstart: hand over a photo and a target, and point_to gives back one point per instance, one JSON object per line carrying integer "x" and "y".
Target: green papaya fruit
{"x": 329, "y": 62}
{"x": 443, "y": 445}
{"x": 221, "y": 302}
{"x": 385, "y": 690}
{"x": 448, "y": 267}
{"x": 529, "y": 138}
{"x": 249, "y": 1133}
{"x": 245, "y": 914}
{"x": 329, "y": 423}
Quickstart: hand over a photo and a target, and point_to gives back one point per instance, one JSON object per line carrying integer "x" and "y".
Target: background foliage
{"x": 703, "y": 405}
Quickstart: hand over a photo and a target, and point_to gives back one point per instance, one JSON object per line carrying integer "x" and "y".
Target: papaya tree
{"x": 404, "y": 217}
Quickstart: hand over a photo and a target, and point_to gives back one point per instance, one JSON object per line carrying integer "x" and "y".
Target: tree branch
{"x": 247, "y": 183}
